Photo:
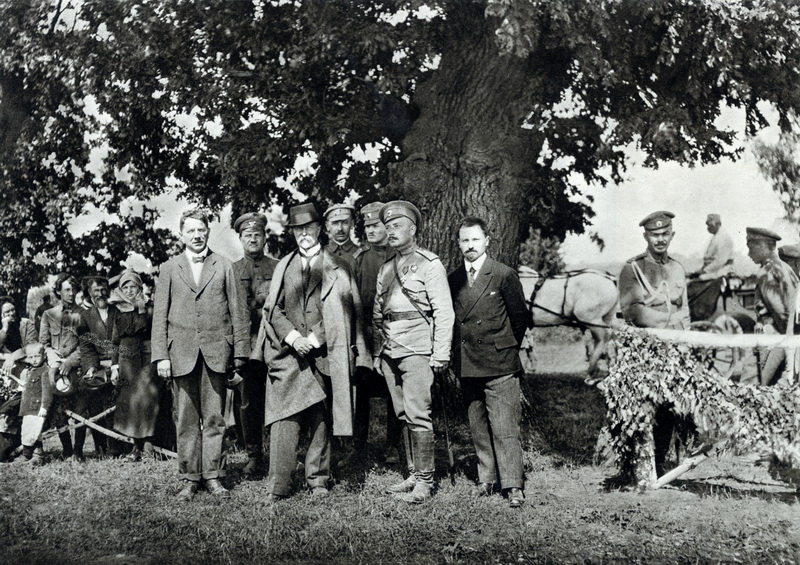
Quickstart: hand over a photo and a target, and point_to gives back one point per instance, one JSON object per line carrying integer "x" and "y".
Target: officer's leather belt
{"x": 410, "y": 315}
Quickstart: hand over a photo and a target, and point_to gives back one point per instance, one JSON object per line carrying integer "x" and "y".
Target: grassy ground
{"x": 107, "y": 511}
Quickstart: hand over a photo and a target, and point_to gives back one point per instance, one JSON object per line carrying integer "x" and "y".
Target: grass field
{"x": 107, "y": 511}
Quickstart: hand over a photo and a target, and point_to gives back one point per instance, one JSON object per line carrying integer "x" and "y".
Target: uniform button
{"x": 462, "y": 323}
{"x": 479, "y": 322}
{"x": 463, "y": 341}
{"x": 479, "y": 341}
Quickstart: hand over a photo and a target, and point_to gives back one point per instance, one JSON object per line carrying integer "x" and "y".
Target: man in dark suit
{"x": 311, "y": 339}
{"x": 491, "y": 319}
{"x": 254, "y": 272}
{"x": 200, "y": 329}
{"x": 94, "y": 334}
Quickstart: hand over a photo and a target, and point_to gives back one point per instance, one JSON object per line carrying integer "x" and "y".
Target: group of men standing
{"x": 654, "y": 293}
{"x": 307, "y": 340}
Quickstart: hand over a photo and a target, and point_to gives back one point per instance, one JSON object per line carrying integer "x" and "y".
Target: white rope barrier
{"x": 708, "y": 339}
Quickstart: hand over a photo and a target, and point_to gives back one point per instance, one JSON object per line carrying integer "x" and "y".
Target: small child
{"x": 37, "y": 397}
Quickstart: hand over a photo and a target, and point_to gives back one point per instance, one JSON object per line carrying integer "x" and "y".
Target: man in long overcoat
{"x": 311, "y": 339}
{"x": 200, "y": 329}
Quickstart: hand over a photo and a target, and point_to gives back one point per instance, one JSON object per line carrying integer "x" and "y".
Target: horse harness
{"x": 566, "y": 276}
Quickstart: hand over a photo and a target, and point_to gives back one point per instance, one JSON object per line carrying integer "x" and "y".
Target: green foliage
{"x": 542, "y": 254}
{"x": 108, "y": 102}
{"x": 649, "y": 372}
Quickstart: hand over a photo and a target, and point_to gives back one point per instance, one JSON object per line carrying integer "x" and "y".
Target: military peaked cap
{"x": 372, "y": 213}
{"x": 251, "y": 220}
{"x": 761, "y": 233}
{"x": 338, "y": 211}
{"x": 403, "y": 208}
{"x": 657, "y": 220}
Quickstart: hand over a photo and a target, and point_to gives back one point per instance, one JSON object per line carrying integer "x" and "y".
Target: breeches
{"x": 409, "y": 380}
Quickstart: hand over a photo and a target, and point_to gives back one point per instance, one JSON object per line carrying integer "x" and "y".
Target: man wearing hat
{"x": 367, "y": 262}
{"x": 200, "y": 331}
{"x": 311, "y": 339}
{"x": 652, "y": 289}
{"x": 413, "y": 328}
{"x": 776, "y": 287}
{"x": 706, "y": 283}
{"x": 254, "y": 272}
{"x": 790, "y": 254}
{"x": 338, "y": 224}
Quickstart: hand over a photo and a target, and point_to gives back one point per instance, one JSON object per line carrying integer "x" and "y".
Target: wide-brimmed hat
{"x": 63, "y": 385}
{"x": 302, "y": 214}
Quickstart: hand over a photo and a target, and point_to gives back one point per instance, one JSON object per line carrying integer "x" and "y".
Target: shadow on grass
{"x": 742, "y": 491}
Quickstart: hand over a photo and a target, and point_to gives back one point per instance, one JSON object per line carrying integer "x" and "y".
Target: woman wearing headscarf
{"x": 138, "y": 386}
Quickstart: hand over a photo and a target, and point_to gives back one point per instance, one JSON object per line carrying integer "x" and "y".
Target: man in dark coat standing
{"x": 491, "y": 319}
{"x": 311, "y": 339}
{"x": 200, "y": 329}
{"x": 254, "y": 272}
{"x": 94, "y": 333}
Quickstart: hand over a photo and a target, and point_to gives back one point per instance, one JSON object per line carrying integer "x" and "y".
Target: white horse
{"x": 588, "y": 299}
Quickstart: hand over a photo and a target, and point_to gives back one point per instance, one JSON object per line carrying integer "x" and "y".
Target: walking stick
{"x": 438, "y": 377}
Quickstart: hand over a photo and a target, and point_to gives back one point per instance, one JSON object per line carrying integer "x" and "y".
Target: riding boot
{"x": 80, "y": 439}
{"x": 66, "y": 444}
{"x": 407, "y": 484}
{"x": 424, "y": 464}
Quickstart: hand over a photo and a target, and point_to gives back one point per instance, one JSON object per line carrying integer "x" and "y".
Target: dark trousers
{"x": 248, "y": 408}
{"x": 88, "y": 403}
{"x": 284, "y": 438}
{"x": 368, "y": 387}
{"x": 494, "y": 411}
{"x": 667, "y": 423}
{"x": 200, "y": 422}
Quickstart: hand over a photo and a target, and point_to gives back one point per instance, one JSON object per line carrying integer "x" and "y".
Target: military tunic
{"x": 400, "y": 329}
{"x": 346, "y": 250}
{"x": 775, "y": 290}
{"x": 255, "y": 276}
{"x": 653, "y": 292}
{"x": 367, "y": 261}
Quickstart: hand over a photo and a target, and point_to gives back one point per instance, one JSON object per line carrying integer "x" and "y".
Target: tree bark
{"x": 467, "y": 153}
{"x": 14, "y": 112}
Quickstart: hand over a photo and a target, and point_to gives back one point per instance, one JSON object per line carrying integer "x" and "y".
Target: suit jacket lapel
{"x": 330, "y": 273}
{"x": 315, "y": 276}
{"x": 482, "y": 280}
{"x": 207, "y": 272}
{"x": 294, "y": 275}
{"x": 186, "y": 272}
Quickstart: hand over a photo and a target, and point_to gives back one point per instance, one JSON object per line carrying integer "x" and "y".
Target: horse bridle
{"x": 566, "y": 276}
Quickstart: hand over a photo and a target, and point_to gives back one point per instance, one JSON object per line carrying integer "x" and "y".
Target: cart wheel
{"x": 727, "y": 361}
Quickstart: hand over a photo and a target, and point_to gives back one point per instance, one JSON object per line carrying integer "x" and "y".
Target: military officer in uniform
{"x": 776, "y": 287}
{"x": 413, "y": 327}
{"x": 652, "y": 290}
{"x": 254, "y": 271}
{"x": 338, "y": 225}
{"x": 367, "y": 262}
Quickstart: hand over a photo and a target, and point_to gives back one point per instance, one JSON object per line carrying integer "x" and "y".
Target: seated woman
{"x": 138, "y": 385}
{"x": 15, "y": 333}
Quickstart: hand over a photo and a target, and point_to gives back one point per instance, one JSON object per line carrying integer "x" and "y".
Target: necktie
{"x": 471, "y": 276}
{"x": 198, "y": 259}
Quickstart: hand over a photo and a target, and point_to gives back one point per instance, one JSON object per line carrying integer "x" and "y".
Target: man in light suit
{"x": 491, "y": 319}
{"x": 200, "y": 329}
{"x": 311, "y": 339}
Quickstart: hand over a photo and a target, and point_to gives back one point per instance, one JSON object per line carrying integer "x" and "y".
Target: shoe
{"x": 272, "y": 498}
{"x": 252, "y": 468}
{"x": 484, "y": 489}
{"x": 78, "y": 457}
{"x": 188, "y": 491}
{"x": 134, "y": 456}
{"x": 420, "y": 493}
{"x": 516, "y": 497}
{"x": 391, "y": 455}
{"x": 405, "y": 486}
{"x": 215, "y": 488}
{"x": 319, "y": 492}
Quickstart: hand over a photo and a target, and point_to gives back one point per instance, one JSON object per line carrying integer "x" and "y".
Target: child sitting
{"x": 37, "y": 397}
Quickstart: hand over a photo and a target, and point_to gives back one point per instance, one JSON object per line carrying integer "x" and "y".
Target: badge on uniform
{"x": 413, "y": 268}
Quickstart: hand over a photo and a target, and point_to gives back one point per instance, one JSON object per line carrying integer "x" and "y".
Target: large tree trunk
{"x": 467, "y": 153}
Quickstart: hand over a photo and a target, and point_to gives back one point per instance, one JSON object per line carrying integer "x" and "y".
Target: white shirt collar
{"x": 190, "y": 254}
{"x": 306, "y": 253}
{"x": 477, "y": 264}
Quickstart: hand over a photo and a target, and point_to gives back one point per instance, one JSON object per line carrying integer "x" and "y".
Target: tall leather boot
{"x": 80, "y": 439}
{"x": 66, "y": 444}
{"x": 409, "y": 483}
{"x": 423, "y": 449}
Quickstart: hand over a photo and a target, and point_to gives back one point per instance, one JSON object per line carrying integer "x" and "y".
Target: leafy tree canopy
{"x": 501, "y": 108}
